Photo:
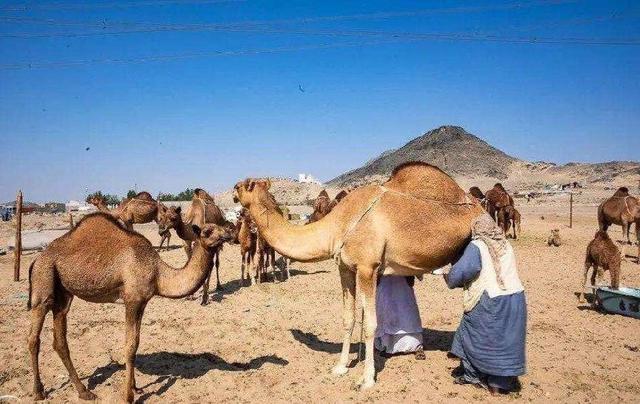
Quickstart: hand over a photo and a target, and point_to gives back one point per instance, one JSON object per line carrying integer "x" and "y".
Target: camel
{"x": 602, "y": 255}
{"x": 101, "y": 261}
{"x": 621, "y": 209}
{"x": 321, "y": 207}
{"x": 497, "y": 198}
{"x": 171, "y": 218}
{"x": 476, "y": 193}
{"x": 203, "y": 210}
{"x": 554, "y": 238}
{"x": 266, "y": 257}
{"x": 142, "y": 208}
{"x": 417, "y": 221}
{"x": 247, "y": 235}
{"x": 509, "y": 217}
{"x": 340, "y": 196}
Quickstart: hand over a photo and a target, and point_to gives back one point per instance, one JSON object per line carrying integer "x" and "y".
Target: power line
{"x": 361, "y": 16}
{"x": 415, "y": 38}
{"x": 87, "y": 5}
{"x": 268, "y": 30}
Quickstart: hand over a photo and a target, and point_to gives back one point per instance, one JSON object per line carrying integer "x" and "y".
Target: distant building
{"x": 77, "y": 206}
{"x": 307, "y": 179}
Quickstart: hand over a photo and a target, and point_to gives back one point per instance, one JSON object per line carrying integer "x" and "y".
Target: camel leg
{"x": 629, "y": 233}
{"x": 587, "y": 265}
{"x": 348, "y": 282}
{"x": 242, "y": 271}
{"x": 133, "y": 317}
{"x": 205, "y": 290}
{"x": 60, "y": 345}
{"x": 217, "y": 263}
{"x": 38, "y": 314}
{"x": 366, "y": 283}
{"x": 515, "y": 235}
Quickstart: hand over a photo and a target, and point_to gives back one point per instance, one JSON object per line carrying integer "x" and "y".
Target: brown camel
{"x": 554, "y": 239}
{"x": 621, "y": 209}
{"x": 265, "y": 258}
{"x": 248, "y": 237}
{"x": 142, "y": 208}
{"x": 476, "y": 193}
{"x": 203, "y": 210}
{"x": 100, "y": 261}
{"x": 509, "y": 217}
{"x": 602, "y": 255}
{"x": 340, "y": 196}
{"x": 171, "y": 218}
{"x": 497, "y": 198}
{"x": 321, "y": 207}
{"x": 417, "y": 221}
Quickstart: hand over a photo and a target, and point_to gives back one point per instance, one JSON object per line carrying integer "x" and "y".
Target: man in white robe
{"x": 399, "y": 326}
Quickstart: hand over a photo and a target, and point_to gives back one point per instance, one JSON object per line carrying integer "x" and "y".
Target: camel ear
{"x": 196, "y": 229}
{"x": 268, "y": 183}
{"x": 252, "y": 184}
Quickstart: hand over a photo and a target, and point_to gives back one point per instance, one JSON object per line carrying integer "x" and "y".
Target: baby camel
{"x": 602, "y": 255}
{"x": 100, "y": 261}
{"x": 248, "y": 238}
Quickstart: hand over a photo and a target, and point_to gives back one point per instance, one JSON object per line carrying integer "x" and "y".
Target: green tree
{"x": 108, "y": 198}
{"x": 131, "y": 193}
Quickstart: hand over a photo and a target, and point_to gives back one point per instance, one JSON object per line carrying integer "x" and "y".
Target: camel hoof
{"x": 39, "y": 396}
{"x": 365, "y": 384}
{"x": 87, "y": 395}
{"x": 204, "y": 302}
{"x": 138, "y": 390}
{"x": 339, "y": 370}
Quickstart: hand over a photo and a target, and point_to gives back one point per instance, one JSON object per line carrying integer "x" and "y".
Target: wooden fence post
{"x": 18, "y": 244}
{"x": 571, "y": 210}
{"x": 70, "y": 221}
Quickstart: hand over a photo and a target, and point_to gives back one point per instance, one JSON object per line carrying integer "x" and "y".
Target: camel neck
{"x": 185, "y": 232}
{"x": 313, "y": 242}
{"x": 180, "y": 282}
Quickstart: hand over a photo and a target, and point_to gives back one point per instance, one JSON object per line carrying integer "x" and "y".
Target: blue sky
{"x": 289, "y": 100}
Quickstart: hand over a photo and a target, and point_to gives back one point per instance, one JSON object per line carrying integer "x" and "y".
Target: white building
{"x": 77, "y": 206}
{"x": 307, "y": 179}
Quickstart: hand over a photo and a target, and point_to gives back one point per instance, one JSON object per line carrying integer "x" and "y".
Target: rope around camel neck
{"x": 338, "y": 253}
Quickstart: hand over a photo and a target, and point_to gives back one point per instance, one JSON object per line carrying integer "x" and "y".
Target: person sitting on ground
{"x": 399, "y": 327}
{"x": 490, "y": 340}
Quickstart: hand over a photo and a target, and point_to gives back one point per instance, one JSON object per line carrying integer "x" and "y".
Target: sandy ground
{"x": 278, "y": 341}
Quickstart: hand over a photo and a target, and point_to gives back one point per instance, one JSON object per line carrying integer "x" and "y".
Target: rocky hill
{"x": 451, "y": 148}
{"x": 472, "y": 161}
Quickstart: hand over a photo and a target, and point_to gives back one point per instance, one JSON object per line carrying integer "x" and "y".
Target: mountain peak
{"x": 449, "y": 147}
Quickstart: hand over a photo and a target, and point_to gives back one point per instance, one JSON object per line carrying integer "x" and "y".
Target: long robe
{"x": 399, "y": 326}
{"x": 491, "y": 336}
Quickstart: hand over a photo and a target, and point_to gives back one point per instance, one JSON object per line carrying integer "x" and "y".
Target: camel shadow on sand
{"x": 171, "y": 366}
{"x": 433, "y": 340}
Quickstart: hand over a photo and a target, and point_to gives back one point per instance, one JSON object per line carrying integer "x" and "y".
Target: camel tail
{"x": 29, "y": 297}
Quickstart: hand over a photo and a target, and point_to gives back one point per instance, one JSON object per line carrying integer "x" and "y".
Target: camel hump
{"x": 426, "y": 181}
{"x": 622, "y": 192}
{"x": 144, "y": 195}
{"x": 323, "y": 194}
{"x": 204, "y": 195}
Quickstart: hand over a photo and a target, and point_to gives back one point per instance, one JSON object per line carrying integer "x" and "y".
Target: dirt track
{"x": 278, "y": 341}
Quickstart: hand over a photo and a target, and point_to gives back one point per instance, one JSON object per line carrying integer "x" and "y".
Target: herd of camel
{"x": 365, "y": 230}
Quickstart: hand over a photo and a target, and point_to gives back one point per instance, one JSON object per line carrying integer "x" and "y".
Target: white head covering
{"x": 484, "y": 228}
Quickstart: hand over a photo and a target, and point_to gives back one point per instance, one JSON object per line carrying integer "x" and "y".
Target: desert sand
{"x": 278, "y": 341}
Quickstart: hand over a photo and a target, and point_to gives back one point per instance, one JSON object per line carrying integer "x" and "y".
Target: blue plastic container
{"x": 625, "y": 301}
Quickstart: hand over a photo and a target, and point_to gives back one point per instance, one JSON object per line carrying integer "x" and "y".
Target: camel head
{"x": 96, "y": 200}
{"x": 248, "y": 191}
{"x": 168, "y": 217}
{"x": 212, "y": 236}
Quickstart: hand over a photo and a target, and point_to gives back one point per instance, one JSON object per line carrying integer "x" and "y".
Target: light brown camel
{"x": 554, "y": 238}
{"x": 602, "y": 255}
{"x": 100, "y": 261}
{"x": 495, "y": 199}
{"x": 142, "y": 208}
{"x": 416, "y": 222}
{"x": 509, "y": 217}
{"x": 248, "y": 237}
{"x": 621, "y": 209}
{"x": 321, "y": 207}
{"x": 203, "y": 210}
{"x": 171, "y": 218}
